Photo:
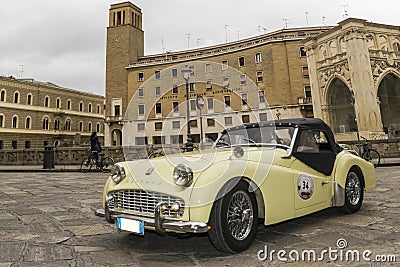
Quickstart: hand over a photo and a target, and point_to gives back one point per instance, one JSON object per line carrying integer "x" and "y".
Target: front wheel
{"x": 107, "y": 164}
{"x": 354, "y": 192}
{"x": 86, "y": 165}
{"x": 234, "y": 220}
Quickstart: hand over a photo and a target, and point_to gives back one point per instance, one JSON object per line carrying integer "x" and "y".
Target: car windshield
{"x": 256, "y": 136}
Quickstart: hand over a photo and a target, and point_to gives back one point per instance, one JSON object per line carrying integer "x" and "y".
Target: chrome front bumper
{"x": 161, "y": 224}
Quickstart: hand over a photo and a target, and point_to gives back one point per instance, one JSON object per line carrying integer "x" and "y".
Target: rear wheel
{"x": 374, "y": 157}
{"x": 107, "y": 164}
{"x": 234, "y": 220}
{"x": 354, "y": 192}
{"x": 86, "y": 165}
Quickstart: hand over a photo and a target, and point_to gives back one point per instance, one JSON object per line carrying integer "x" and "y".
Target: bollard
{"x": 48, "y": 160}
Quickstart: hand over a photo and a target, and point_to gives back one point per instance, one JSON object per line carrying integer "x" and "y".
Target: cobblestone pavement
{"x": 47, "y": 219}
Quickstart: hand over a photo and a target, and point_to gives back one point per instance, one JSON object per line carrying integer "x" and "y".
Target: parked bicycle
{"x": 370, "y": 154}
{"x": 149, "y": 152}
{"x": 104, "y": 163}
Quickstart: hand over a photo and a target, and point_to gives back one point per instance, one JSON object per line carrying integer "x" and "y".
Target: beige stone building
{"x": 348, "y": 75}
{"x": 259, "y": 78}
{"x": 34, "y": 114}
{"x": 355, "y": 78}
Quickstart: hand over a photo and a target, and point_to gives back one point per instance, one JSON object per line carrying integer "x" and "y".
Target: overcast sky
{"x": 63, "y": 42}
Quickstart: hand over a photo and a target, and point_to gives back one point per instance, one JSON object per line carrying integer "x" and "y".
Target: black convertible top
{"x": 304, "y": 123}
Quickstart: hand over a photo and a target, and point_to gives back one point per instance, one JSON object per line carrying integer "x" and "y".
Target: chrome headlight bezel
{"x": 183, "y": 175}
{"x": 117, "y": 173}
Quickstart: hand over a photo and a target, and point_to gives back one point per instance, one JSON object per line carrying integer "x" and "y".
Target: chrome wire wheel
{"x": 240, "y": 215}
{"x": 353, "y": 188}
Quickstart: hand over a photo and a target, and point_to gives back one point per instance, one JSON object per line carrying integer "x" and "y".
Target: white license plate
{"x": 130, "y": 225}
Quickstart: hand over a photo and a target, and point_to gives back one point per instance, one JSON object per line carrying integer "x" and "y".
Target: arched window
{"x": 370, "y": 40}
{"x": 90, "y": 107}
{"x": 57, "y": 124}
{"x": 69, "y": 104}
{"x": 389, "y": 96}
{"x": 1, "y": 120}
{"x": 98, "y": 109}
{"x": 16, "y": 97}
{"x": 47, "y": 101}
{"x": 383, "y": 42}
{"x": 98, "y": 129}
{"x": 58, "y": 103}
{"x": 14, "y": 121}
{"x": 342, "y": 114}
{"x": 28, "y": 122}
{"x": 396, "y": 47}
{"x": 45, "y": 123}
{"x": 29, "y": 99}
{"x": 89, "y": 126}
{"x": 3, "y": 95}
{"x": 81, "y": 106}
{"x": 332, "y": 48}
{"x": 67, "y": 125}
{"x": 81, "y": 126}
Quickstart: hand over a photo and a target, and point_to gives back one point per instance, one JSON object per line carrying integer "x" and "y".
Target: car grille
{"x": 143, "y": 202}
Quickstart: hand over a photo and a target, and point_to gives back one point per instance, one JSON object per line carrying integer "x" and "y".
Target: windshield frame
{"x": 219, "y": 143}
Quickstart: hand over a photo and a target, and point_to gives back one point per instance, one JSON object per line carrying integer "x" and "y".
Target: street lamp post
{"x": 186, "y": 75}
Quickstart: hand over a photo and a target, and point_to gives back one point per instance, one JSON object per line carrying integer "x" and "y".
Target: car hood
{"x": 157, "y": 174}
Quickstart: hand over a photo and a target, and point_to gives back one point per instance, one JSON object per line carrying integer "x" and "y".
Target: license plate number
{"x": 130, "y": 225}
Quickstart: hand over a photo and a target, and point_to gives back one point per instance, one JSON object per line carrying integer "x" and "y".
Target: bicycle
{"x": 149, "y": 152}
{"x": 104, "y": 163}
{"x": 370, "y": 154}
{"x": 153, "y": 152}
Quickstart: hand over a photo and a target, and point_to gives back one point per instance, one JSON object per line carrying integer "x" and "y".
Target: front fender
{"x": 210, "y": 183}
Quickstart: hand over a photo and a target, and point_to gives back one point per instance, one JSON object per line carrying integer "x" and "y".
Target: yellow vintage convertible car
{"x": 273, "y": 170}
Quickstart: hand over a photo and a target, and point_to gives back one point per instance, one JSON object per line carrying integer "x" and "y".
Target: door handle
{"x": 325, "y": 182}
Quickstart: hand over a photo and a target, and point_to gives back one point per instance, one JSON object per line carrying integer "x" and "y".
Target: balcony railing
{"x": 113, "y": 119}
{"x": 305, "y": 101}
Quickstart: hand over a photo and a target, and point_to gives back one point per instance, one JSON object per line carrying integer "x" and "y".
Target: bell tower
{"x": 125, "y": 44}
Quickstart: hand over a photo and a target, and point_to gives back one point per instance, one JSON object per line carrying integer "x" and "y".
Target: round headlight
{"x": 183, "y": 175}
{"x": 117, "y": 173}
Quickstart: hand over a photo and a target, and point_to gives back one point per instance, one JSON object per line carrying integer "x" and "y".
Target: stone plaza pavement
{"x": 48, "y": 219}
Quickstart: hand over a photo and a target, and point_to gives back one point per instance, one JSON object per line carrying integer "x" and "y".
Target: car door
{"x": 312, "y": 170}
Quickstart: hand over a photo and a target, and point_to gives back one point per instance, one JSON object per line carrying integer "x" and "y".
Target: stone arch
{"x": 116, "y": 137}
{"x": 383, "y": 42}
{"x": 332, "y": 48}
{"x": 340, "y": 107}
{"x": 389, "y": 101}
{"x": 369, "y": 38}
{"x": 322, "y": 52}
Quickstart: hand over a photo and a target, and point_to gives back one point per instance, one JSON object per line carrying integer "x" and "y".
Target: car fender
{"x": 219, "y": 179}
{"x": 345, "y": 161}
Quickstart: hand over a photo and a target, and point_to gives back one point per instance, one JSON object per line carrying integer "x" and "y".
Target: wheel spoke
{"x": 240, "y": 215}
{"x": 353, "y": 189}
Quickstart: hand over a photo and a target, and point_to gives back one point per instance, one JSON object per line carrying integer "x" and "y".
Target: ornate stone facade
{"x": 354, "y": 58}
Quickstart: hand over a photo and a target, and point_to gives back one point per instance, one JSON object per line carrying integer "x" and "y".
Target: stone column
{"x": 366, "y": 106}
